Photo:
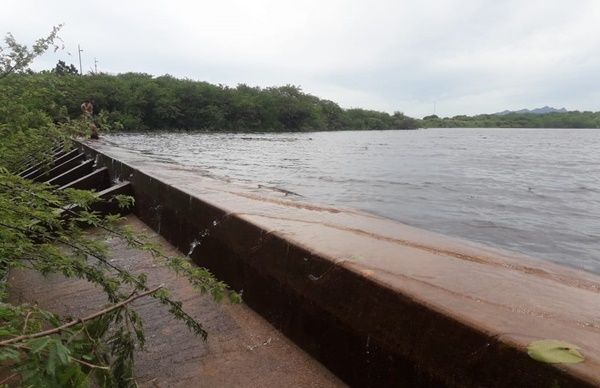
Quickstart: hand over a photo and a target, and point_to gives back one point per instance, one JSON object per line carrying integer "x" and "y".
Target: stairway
{"x": 71, "y": 169}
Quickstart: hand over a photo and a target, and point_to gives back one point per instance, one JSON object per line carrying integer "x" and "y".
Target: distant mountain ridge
{"x": 537, "y": 111}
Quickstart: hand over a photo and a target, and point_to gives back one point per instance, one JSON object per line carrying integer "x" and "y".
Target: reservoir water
{"x": 533, "y": 191}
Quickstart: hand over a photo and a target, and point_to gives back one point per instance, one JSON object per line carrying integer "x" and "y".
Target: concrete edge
{"x": 397, "y": 338}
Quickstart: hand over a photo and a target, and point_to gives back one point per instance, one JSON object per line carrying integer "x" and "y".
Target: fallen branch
{"x": 90, "y": 365}
{"x": 80, "y": 320}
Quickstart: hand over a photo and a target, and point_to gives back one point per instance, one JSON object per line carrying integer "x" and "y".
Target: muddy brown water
{"x": 533, "y": 191}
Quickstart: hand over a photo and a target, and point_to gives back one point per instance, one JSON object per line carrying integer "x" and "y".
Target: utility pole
{"x": 434, "y": 107}
{"x": 79, "y": 50}
{"x": 95, "y": 66}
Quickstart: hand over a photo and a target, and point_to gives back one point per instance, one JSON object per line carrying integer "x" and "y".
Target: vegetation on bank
{"x": 574, "y": 119}
{"x": 135, "y": 101}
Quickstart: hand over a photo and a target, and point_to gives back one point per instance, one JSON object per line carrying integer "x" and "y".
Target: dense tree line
{"x": 137, "y": 101}
{"x": 144, "y": 102}
{"x": 574, "y": 119}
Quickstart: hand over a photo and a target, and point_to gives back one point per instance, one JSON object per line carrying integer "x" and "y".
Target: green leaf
{"x": 38, "y": 344}
{"x": 9, "y": 354}
{"x": 5, "y": 332}
{"x": 51, "y": 364}
{"x": 63, "y": 353}
{"x": 72, "y": 377}
{"x": 554, "y": 352}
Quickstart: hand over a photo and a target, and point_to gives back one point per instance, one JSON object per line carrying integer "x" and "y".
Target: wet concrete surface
{"x": 242, "y": 350}
{"x": 398, "y": 301}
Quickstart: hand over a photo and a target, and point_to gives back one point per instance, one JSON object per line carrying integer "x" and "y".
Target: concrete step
{"x": 42, "y": 167}
{"x": 73, "y": 170}
{"x": 80, "y": 170}
{"x": 96, "y": 180}
{"x": 59, "y": 168}
{"x": 34, "y": 165}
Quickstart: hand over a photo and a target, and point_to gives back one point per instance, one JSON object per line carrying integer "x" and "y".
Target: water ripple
{"x": 534, "y": 191}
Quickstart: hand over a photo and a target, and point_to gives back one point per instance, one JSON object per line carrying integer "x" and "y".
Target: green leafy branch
{"x": 43, "y": 230}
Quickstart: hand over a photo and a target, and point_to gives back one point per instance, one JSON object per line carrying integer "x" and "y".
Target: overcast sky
{"x": 468, "y": 56}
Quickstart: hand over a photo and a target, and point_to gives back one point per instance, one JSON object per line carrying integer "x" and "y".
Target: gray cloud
{"x": 469, "y": 56}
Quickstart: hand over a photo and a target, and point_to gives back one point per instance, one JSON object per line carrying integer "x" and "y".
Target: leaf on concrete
{"x": 554, "y": 352}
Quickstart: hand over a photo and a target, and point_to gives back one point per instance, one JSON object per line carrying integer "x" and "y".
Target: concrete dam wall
{"x": 377, "y": 302}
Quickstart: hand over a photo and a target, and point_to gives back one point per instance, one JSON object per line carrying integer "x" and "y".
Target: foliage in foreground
{"x": 43, "y": 229}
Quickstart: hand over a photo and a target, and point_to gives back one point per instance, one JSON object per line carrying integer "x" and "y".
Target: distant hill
{"x": 537, "y": 111}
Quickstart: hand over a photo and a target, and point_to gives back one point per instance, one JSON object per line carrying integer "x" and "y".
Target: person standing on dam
{"x": 87, "y": 109}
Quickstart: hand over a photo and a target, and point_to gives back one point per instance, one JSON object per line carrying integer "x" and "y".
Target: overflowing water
{"x": 535, "y": 191}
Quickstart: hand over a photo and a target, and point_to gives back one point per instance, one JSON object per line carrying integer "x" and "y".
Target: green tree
{"x": 61, "y": 68}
